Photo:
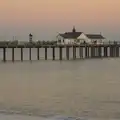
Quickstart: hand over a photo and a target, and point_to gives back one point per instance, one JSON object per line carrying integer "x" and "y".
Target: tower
{"x": 30, "y": 37}
{"x": 74, "y": 30}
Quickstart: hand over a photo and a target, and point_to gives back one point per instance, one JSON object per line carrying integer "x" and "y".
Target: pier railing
{"x": 50, "y": 43}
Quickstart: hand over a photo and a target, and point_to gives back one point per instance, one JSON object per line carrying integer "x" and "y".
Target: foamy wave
{"x": 67, "y": 118}
{"x": 14, "y": 116}
{"x": 45, "y": 117}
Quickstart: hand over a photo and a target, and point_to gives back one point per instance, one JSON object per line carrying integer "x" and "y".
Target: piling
{"x": 86, "y": 52}
{"x": 92, "y": 51}
{"x": 53, "y": 51}
{"x": 30, "y": 53}
{"x": 74, "y": 52}
{"x": 21, "y": 54}
{"x": 96, "y": 52}
{"x": 60, "y": 53}
{"x": 114, "y": 52}
{"x": 67, "y": 53}
{"x": 99, "y": 52}
{"x": 111, "y": 51}
{"x": 38, "y": 53}
{"x": 4, "y": 54}
{"x": 45, "y": 53}
{"x": 105, "y": 51}
{"x": 81, "y": 52}
{"x": 117, "y": 51}
{"x": 13, "y": 56}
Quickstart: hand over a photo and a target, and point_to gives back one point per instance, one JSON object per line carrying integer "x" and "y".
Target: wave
{"x": 12, "y": 113}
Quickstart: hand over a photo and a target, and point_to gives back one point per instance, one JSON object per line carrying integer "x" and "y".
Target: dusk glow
{"x": 45, "y": 18}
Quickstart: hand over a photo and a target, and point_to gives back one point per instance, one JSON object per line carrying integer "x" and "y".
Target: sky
{"x": 46, "y": 18}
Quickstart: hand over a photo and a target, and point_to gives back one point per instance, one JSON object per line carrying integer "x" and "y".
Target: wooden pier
{"x": 85, "y": 51}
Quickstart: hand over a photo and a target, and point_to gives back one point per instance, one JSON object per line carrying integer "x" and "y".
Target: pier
{"x": 86, "y": 51}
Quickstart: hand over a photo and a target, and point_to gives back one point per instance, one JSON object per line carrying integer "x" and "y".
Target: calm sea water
{"x": 54, "y": 90}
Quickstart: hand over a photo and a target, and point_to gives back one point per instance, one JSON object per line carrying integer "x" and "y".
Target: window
{"x": 59, "y": 41}
{"x": 81, "y": 40}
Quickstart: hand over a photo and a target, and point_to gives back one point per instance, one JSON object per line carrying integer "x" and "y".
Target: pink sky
{"x": 45, "y": 18}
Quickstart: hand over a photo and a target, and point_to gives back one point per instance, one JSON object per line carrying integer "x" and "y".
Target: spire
{"x": 74, "y": 30}
{"x": 30, "y": 37}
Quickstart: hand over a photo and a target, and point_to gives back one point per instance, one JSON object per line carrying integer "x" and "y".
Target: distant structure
{"x": 79, "y": 37}
{"x": 74, "y": 30}
{"x": 30, "y": 37}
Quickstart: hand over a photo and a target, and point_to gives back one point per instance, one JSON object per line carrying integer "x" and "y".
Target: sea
{"x": 81, "y": 89}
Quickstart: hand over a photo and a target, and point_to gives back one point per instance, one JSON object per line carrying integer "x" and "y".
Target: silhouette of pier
{"x": 85, "y": 51}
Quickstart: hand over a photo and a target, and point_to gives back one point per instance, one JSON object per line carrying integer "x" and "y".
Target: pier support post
{"x": 117, "y": 51}
{"x": 21, "y": 54}
{"x": 105, "y": 52}
{"x": 81, "y": 52}
{"x": 74, "y": 52}
{"x": 45, "y": 53}
{"x": 111, "y": 51}
{"x": 99, "y": 52}
{"x": 86, "y": 51}
{"x": 30, "y": 53}
{"x": 4, "y": 54}
{"x": 92, "y": 51}
{"x": 53, "y": 53}
{"x": 60, "y": 53}
{"x": 13, "y": 56}
{"x": 38, "y": 53}
{"x": 96, "y": 51}
{"x": 67, "y": 52}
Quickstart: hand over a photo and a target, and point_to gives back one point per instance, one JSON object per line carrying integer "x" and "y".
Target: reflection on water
{"x": 82, "y": 88}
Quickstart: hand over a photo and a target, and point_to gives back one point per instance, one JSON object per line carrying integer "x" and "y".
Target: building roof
{"x": 75, "y": 35}
{"x": 95, "y": 36}
{"x": 71, "y": 34}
